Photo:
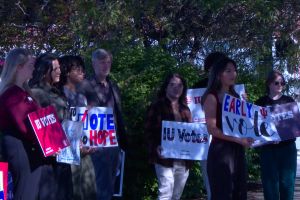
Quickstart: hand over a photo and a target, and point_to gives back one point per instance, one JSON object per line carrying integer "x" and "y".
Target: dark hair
{"x": 43, "y": 66}
{"x": 271, "y": 77}
{"x": 162, "y": 91}
{"x": 213, "y": 58}
{"x": 67, "y": 63}
{"x": 214, "y": 83}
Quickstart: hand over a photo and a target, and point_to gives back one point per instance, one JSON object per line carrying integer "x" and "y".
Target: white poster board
{"x": 98, "y": 126}
{"x": 243, "y": 119}
{"x": 182, "y": 140}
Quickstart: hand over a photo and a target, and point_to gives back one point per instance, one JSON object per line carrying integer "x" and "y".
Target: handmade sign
{"x": 98, "y": 126}
{"x": 71, "y": 154}
{"x": 193, "y": 99}
{"x": 182, "y": 140}
{"x": 286, "y": 118}
{"x": 48, "y": 130}
{"x": 244, "y": 119}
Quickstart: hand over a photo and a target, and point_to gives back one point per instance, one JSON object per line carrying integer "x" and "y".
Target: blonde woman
{"x": 19, "y": 144}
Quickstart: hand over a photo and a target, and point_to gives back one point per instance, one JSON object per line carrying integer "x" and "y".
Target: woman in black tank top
{"x": 226, "y": 165}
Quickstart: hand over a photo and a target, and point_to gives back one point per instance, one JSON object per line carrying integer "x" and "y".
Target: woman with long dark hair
{"x": 278, "y": 161}
{"x": 226, "y": 164}
{"x": 171, "y": 106}
{"x": 56, "y": 177}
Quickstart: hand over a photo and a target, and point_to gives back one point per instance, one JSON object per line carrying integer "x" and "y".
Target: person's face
{"x": 76, "y": 75}
{"x": 27, "y": 69}
{"x": 55, "y": 74}
{"x": 277, "y": 85}
{"x": 102, "y": 67}
{"x": 175, "y": 88}
{"x": 228, "y": 76}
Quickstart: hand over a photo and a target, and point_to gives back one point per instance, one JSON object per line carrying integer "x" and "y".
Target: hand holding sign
{"x": 159, "y": 150}
{"x": 246, "y": 142}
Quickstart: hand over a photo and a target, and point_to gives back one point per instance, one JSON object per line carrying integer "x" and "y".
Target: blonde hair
{"x": 14, "y": 58}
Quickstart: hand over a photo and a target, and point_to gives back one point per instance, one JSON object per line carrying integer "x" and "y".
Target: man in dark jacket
{"x": 100, "y": 91}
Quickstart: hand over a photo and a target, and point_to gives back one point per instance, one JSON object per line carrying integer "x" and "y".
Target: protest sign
{"x": 243, "y": 119}
{"x": 71, "y": 154}
{"x": 48, "y": 130}
{"x": 118, "y": 190}
{"x": 3, "y": 180}
{"x": 287, "y": 120}
{"x": 182, "y": 140}
{"x": 193, "y": 99}
{"x": 98, "y": 126}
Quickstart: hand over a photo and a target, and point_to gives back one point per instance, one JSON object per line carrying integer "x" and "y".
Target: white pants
{"x": 171, "y": 180}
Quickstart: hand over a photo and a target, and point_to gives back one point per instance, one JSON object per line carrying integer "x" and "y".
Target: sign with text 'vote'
{"x": 181, "y": 140}
{"x": 98, "y": 126}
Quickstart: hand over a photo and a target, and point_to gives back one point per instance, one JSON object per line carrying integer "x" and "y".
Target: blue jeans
{"x": 106, "y": 161}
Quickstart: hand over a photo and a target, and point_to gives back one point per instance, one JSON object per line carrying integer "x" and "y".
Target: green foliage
{"x": 140, "y": 72}
{"x": 149, "y": 39}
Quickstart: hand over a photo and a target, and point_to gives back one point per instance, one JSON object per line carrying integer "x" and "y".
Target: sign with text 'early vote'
{"x": 182, "y": 140}
{"x": 244, "y": 119}
{"x": 98, "y": 126}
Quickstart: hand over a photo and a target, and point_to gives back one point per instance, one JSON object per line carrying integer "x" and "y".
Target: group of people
{"x": 225, "y": 171}
{"x": 29, "y": 83}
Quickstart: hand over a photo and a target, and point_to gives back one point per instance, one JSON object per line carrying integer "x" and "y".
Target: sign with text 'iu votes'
{"x": 193, "y": 99}
{"x": 244, "y": 119}
{"x": 48, "y": 130}
{"x": 98, "y": 126}
{"x": 182, "y": 140}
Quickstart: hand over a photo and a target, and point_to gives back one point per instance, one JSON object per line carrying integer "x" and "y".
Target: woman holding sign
{"x": 19, "y": 145}
{"x": 278, "y": 161}
{"x": 72, "y": 74}
{"x": 170, "y": 106}
{"x": 226, "y": 164}
{"x": 56, "y": 177}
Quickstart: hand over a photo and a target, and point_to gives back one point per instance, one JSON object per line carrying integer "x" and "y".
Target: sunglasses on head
{"x": 278, "y": 82}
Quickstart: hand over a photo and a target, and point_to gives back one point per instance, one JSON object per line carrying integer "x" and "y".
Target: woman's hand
{"x": 246, "y": 142}
{"x": 159, "y": 149}
{"x": 87, "y": 150}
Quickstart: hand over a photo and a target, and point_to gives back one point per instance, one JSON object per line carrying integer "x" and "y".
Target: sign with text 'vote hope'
{"x": 98, "y": 126}
{"x": 244, "y": 119}
{"x": 181, "y": 140}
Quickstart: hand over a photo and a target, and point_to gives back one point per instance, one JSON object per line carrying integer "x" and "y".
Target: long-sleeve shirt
{"x": 16, "y": 104}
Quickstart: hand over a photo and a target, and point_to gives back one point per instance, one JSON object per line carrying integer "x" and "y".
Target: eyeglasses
{"x": 279, "y": 83}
